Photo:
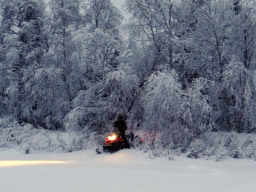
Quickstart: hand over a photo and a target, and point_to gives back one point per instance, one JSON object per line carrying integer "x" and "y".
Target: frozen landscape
{"x": 180, "y": 75}
{"x": 124, "y": 171}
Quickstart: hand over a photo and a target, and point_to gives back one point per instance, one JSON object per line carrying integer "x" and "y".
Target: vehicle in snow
{"x": 114, "y": 143}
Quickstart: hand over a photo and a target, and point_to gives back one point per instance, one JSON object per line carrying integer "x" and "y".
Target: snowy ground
{"x": 124, "y": 171}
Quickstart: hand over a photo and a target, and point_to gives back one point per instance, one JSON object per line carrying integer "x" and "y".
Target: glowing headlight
{"x": 112, "y": 137}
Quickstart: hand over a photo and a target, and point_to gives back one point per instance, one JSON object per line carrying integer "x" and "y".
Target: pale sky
{"x": 118, "y": 4}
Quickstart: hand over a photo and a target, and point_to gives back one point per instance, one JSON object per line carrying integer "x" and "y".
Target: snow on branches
{"x": 169, "y": 108}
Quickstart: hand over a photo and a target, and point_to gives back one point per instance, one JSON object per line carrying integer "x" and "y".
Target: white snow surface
{"x": 124, "y": 171}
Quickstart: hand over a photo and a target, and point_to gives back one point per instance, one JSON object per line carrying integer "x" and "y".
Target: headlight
{"x": 112, "y": 137}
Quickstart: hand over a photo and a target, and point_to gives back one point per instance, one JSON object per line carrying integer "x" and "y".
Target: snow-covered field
{"x": 124, "y": 171}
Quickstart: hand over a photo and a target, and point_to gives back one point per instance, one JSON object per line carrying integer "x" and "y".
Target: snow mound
{"x": 28, "y": 139}
{"x": 220, "y": 145}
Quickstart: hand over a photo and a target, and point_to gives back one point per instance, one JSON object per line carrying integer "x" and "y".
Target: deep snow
{"x": 124, "y": 171}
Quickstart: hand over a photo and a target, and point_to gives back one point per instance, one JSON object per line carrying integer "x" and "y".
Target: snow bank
{"x": 220, "y": 145}
{"x": 28, "y": 139}
{"x": 211, "y": 145}
{"x": 216, "y": 146}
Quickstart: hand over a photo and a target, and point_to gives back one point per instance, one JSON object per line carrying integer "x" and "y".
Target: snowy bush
{"x": 220, "y": 145}
{"x": 78, "y": 119}
{"x": 28, "y": 139}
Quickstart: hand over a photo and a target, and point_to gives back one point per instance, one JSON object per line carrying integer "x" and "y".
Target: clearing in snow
{"x": 124, "y": 171}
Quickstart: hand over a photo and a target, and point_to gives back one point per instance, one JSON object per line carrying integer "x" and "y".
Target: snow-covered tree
{"x": 98, "y": 43}
{"x": 3, "y": 84}
{"x": 48, "y": 99}
{"x": 24, "y": 44}
{"x": 32, "y": 46}
{"x": 154, "y": 22}
{"x": 101, "y": 14}
{"x": 65, "y": 19}
{"x": 239, "y": 97}
{"x": 100, "y": 54}
{"x": 98, "y": 46}
{"x": 242, "y": 37}
{"x": 180, "y": 114}
{"x": 96, "y": 107}
{"x": 30, "y": 18}
{"x": 8, "y": 49}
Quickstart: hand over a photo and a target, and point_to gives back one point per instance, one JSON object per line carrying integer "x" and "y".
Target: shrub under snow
{"x": 28, "y": 139}
{"x": 222, "y": 144}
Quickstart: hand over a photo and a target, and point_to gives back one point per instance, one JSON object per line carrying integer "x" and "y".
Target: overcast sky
{"x": 118, "y": 4}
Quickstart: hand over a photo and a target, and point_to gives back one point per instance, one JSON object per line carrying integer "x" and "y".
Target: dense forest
{"x": 182, "y": 68}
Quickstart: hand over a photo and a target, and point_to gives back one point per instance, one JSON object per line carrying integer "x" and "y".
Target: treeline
{"x": 187, "y": 66}
{"x": 54, "y": 59}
